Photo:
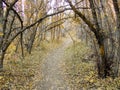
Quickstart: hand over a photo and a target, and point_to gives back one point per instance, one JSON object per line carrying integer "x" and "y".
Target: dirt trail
{"x": 52, "y": 70}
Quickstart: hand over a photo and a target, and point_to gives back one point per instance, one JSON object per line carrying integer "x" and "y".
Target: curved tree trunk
{"x": 105, "y": 63}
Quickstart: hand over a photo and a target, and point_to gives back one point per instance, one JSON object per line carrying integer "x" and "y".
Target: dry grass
{"x": 81, "y": 72}
{"x": 22, "y": 74}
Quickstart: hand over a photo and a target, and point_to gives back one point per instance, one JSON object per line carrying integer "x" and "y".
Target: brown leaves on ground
{"x": 22, "y": 74}
{"x": 81, "y": 72}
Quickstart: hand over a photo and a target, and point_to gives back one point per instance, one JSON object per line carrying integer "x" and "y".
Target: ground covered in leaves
{"x": 81, "y": 70}
{"x": 53, "y": 71}
{"x": 22, "y": 74}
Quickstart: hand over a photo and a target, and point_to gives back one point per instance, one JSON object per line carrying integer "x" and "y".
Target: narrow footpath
{"x": 52, "y": 70}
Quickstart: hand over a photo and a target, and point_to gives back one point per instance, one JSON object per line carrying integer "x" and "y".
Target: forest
{"x": 59, "y": 44}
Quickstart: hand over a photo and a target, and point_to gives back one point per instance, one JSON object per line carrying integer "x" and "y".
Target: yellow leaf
{"x": 1, "y": 77}
{"x": 1, "y": 33}
{"x": 99, "y": 89}
{"x": 102, "y": 50}
{"x": 91, "y": 80}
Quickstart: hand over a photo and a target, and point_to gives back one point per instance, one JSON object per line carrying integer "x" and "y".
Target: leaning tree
{"x": 107, "y": 64}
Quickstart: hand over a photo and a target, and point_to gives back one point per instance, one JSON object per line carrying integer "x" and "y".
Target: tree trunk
{"x": 32, "y": 38}
{"x": 1, "y": 9}
{"x": 105, "y": 63}
{"x": 117, "y": 12}
{"x": 2, "y": 54}
{"x": 103, "y": 67}
{"x": 103, "y": 70}
{"x": 1, "y": 23}
{"x": 1, "y": 16}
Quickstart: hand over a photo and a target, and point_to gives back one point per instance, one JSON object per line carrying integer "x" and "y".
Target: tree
{"x": 105, "y": 63}
{"x": 117, "y": 12}
{"x": 1, "y": 17}
{"x": 14, "y": 26}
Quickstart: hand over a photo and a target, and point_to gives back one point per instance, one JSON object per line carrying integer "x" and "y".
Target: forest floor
{"x": 55, "y": 66}
{"x": 23, "y": 74}
{"x": 53, "y": 76}
{"x": 81, "y": 70}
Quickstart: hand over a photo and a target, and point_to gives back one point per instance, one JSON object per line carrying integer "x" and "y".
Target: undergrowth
{"x": 81, "y": 73}
{"x": 22, "y": 74}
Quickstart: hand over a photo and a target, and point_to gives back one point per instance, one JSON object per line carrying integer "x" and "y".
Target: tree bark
{"x": 32, "y": 39}
{"x": 1, "y": 24}
{"x": 1, "y": 9}
{"x": 104, "y": 63}
{"x": 117, "y": 12}
{"x": 2, "y": 54}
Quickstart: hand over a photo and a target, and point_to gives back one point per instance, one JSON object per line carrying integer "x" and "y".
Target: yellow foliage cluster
{"x": 10, "y": 51}
{"x": 11, "y": 48}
